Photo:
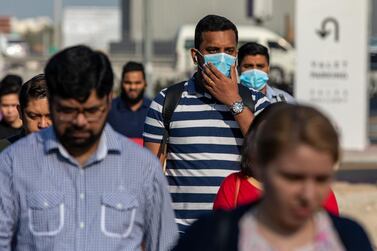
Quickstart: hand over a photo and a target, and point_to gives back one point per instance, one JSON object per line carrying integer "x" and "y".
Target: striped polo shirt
{"x": 204, "y": 147}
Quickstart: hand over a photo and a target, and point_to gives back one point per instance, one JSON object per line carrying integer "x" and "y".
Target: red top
{"x": 138, "y": 141}
{"x": 249, "y": 191}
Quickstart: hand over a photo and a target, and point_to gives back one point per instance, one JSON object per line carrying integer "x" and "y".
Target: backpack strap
{"x": 172, "y": 96}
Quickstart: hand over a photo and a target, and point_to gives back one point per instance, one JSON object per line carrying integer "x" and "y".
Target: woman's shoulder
{"x": 232, "y": 177}
{"x": 215, "y": 231}
{"x": 351, "y": 233}
{"x": 231, "y": 180}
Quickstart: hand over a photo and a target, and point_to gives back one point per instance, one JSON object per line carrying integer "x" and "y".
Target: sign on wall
{"x": 332, "y": 64}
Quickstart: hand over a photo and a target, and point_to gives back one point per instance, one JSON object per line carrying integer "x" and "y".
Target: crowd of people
{"x": 229, "y": 162}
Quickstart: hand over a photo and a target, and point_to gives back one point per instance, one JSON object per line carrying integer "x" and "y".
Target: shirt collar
{"x": 270, "y": 92}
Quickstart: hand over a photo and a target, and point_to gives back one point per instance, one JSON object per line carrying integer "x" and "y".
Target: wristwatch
{"x": 237, "y": 107}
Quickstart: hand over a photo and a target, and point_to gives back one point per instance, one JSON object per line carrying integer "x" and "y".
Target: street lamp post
{"x": 148, "y": 45}
{"x": 58, "y": 6}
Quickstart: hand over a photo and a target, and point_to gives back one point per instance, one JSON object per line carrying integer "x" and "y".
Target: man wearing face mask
{"x": 254, "y": 66}
{"x": 208, "y": 124}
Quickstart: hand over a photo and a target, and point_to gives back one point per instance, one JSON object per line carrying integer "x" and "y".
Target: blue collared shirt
{"x": 117, "y": 200}
{"x": 125, "y": 121}
{"x": 277, "y": 95}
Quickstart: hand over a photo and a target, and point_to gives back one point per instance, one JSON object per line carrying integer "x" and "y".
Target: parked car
{"x": 13, "y": 46}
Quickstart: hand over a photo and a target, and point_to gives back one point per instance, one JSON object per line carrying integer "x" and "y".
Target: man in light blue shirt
{"x": 254, "y": 67}
{"x": 79, "y": 185}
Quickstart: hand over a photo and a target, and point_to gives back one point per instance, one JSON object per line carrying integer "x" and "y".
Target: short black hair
{"x": 34, "y": 88}
{"x": 133, "y": 66}
{"x": 252, "y": 49}
{"x": 75, "y": 71}
{"x": 10, "y": 84}
{"x": 12, "y": 78}
{"x": 213, "y": 23}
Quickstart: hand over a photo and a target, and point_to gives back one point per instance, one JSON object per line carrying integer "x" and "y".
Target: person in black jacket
{"x": 33, "y": 108}
{"x": 294, "y": 152}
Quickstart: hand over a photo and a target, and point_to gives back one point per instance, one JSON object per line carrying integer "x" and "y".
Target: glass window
{"x": 273, "y": 45}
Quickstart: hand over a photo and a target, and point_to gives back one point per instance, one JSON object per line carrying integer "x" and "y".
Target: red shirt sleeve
{"x": 225, "y": 196}
{"x": 330, "y": 204}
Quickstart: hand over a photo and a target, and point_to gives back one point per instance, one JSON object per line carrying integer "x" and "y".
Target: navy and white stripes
{"x": 204, "y": 147}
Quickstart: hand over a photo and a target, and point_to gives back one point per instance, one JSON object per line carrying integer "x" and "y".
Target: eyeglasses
{"x": 92, "y": 114}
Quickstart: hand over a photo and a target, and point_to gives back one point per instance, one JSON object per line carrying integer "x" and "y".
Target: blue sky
{"x": 32, "y": 8}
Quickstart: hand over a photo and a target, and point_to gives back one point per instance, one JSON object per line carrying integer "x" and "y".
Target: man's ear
{"x": 194, "y": 56}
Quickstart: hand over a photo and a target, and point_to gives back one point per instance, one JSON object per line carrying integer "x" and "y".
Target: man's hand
{"x": 224, "y": 89}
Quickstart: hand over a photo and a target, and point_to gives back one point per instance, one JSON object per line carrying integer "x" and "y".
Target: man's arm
{"x": 8, "y": 204}
{"x": 244, "y": 120}
{"x": 154, "y": 127}
{"x": 155, "y": 148}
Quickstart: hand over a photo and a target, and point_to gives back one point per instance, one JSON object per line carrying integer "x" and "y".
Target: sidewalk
{"x": 366, "y": 159}
{"x": 358, "y": 199}
{"x": 359, "y": 202}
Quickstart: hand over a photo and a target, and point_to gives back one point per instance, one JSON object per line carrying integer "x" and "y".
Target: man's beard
{"x": 132, "y": 101}
{"x": 71, "y": 143}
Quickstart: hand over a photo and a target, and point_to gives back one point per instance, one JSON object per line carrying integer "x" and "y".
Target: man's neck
{"x": 82, "y": 154}
{"x": 199, "y": 82}
{"x": 16, "y": 124}
{"x": 135, "y": 106}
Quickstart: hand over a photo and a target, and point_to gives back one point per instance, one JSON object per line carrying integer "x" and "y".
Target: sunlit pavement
{"x": 359, "y": 201}
{"x": 356, "y": 183}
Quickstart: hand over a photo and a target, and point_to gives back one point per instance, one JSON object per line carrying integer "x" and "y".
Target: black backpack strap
{"x": 172, "y": 96}
{"x": 247, "y": 99}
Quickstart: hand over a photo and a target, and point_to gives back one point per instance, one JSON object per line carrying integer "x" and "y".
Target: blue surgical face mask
{"x": 255, "y": 79}
{"x": 222, "y": 61}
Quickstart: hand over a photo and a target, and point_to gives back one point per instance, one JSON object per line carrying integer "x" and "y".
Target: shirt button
{"x": 119, "y": 205}
{"x": 82, "y": 196}
{"x": 45, "y": 204}
{"x": 82, "y": 225}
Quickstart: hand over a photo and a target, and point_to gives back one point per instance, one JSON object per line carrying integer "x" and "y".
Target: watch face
{"x": 237, "y": 107}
